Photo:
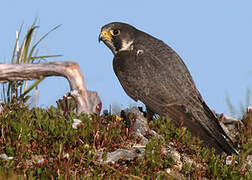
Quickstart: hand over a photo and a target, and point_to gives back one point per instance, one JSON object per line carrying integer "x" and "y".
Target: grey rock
{"x": 141, "y": 124}
{"x": 139, "y": 135}
{"x": 140, "y": 128}
{"x": 174, "y": 174}
{"x": 177, "y": 160}
{"x": 112, "y": 157}
{"x": 170, "y": 150}
{"x": 5, "y": 157}
{"x": 186, "y": 160}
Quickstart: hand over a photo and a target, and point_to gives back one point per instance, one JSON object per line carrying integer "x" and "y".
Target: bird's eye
{"x": 115, "y": 32}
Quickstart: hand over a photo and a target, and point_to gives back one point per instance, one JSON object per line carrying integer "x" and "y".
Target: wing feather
{"x": 159, "y": 78}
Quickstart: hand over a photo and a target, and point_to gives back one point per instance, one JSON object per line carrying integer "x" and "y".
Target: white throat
{"x": 126, "y": 45}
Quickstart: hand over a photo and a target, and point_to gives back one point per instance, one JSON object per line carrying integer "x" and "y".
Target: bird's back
{"x": 155, "y": 74}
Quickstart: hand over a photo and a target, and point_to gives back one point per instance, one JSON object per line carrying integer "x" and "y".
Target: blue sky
{"x": 214, "y": 38}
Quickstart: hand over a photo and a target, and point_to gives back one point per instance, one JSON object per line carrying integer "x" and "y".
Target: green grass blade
{"x": 31, "y": 87}
{"x": 9, "y": 92}
{"x": 28, "y": 39}
{"x": 248, "y": 93}
{"x": 41, "y": 39}
{"x": 45, "y": 57}
{"x": 25, "y": 85}
{"x": 34, "y": 22}
{"x": 230, "y": 106}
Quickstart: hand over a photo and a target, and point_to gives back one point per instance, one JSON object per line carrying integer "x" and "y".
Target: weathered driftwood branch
{"x": 86, "y": 101}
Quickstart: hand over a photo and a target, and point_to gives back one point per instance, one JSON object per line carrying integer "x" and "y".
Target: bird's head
{"x": 118, "y": 36}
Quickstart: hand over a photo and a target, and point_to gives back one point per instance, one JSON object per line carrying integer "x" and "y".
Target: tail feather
{"x": 219, "y": 134}
{"x": 204, "y": 125}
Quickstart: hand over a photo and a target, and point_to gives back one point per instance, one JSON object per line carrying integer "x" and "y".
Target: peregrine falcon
{"x": 152, "y": 72}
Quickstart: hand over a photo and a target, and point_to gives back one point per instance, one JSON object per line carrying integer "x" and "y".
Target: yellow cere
{"x": 105, "y": 35}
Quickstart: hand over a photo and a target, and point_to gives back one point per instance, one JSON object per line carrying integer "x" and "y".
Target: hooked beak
{"x": 104, "y": 36}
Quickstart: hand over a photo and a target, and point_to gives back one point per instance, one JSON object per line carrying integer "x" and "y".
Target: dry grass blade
{"x": 15, "y": 50}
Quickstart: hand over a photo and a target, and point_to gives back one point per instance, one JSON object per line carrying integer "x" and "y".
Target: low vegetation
{"x": 44, "y": 144}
